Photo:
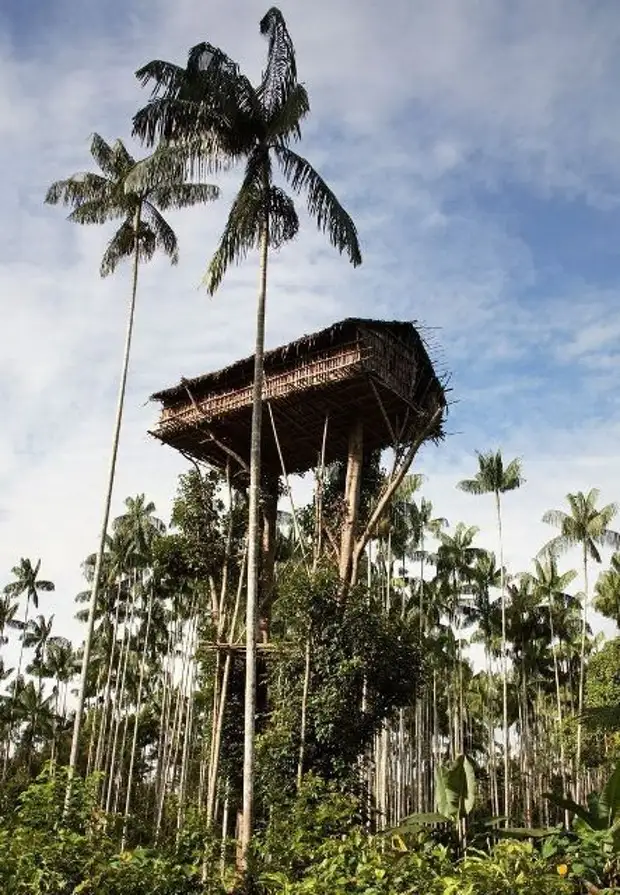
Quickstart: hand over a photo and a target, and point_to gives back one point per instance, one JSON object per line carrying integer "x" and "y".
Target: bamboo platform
{"x": 374, "y": 370}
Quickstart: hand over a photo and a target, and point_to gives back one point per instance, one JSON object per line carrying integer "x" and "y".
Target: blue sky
{"x": 477, "y": 146}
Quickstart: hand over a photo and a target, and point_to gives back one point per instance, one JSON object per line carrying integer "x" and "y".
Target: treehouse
{"x": 358, "y": 386}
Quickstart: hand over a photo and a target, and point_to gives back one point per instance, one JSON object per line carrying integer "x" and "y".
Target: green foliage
{"x": 43, "y": 856}
{"x": 356, "y": 649}
{"x": 142, "y": 872}
{"x": 376, "y": 865}
{"x": 602, "y": 715}
{"x": 592, "y": 849}
{"x": 455, "y": 789}
{"x": 298, "y": 827}
{"x": 602, "y": 811}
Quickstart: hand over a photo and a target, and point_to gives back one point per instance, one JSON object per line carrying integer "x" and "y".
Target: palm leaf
{"x": 77, "y": 189}
{"x": 286, "y": 118}
{"x": 96, "y": 212}
{"x": 103, "y": 155}
{"x": 472, "y": 486}
{"x": 330, "y": 216}
{"x": 241, "y": 234}
{"x": 283, "y": 220}
{"x": 165, "y": 237}
{"x": 122, "y": 245}
{"x": 167, "y": 76}
{"x": 280, "y": 75}
{"x": 182, "y": 195}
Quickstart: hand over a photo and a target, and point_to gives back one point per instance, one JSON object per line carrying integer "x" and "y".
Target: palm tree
{"x": 549, "y": 587}
{"x": 27, "y": 582}
{"x": 37, "y": 635}
{"x": 585, "y": 526}
{"x": 8, "y": 611}
{"x": 212, "y": 100}
{"x": 495, "y": 478}
{"x": 139, "y": 527}
{"x": 97, "y": 199}
{"x": 607, "y": 591}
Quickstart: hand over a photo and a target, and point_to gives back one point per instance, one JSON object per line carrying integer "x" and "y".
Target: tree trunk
{"x": 134, "y": 741}
{"x": 268, "y": 558}
{"x": 220, "y": 707}
{"x": 304, "y": 711}
{"x": 558, "y": 700}
{"x": 92, "y": 605}
{"x": 582, "y": 674}
{"x": 249, "y": 727}
{"x": 504, "y": 664}
{"x": 351, "y": 498}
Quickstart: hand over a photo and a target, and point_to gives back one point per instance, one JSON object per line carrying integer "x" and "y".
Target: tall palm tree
{"x": 585, "y": 526}
{"x": 495, "y": 478}
{"x": 37, "y": 636}
{"x": 212, "y": 102}
{"x": 97, "y": 199}
{"x": 549, "y": 587}
{"x": 607, "y": 591}
{"x": 455, "y": 569}
{"x": 8, "y": 612}
{"x": 139, "y": 526}
{"x": 27, "y": 582}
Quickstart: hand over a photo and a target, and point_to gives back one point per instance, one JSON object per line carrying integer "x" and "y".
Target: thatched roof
{"x": 379, "y": 370}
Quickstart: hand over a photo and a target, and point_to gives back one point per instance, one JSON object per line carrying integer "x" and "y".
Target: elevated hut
{"x": 359, "y": 385}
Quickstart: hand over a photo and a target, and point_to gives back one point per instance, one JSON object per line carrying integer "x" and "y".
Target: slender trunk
{"x": 304, "y": 712}
{"x": 189, "y": 720}
{"x": 504, "y": 663}
{"x": 351, "y": 499}
{"x": 558, "y": 701}
{"x": 582, "y": 674}
{"x": 119, "y": 699}
{"x": 106, "y": 707}
{"x": 249, "y": 727}
{"x": 220, "y": 707}
{"x": 225, "y": 816}
{"x": 77, "y": 724}
{"x": 134, "y": 741}
{"x": 15, "y": 690}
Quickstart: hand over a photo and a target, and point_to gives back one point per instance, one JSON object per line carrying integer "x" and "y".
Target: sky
{"x": 476, "y": 144}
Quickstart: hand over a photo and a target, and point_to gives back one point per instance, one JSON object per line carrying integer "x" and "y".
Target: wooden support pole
{"x": 351, "y": 497}
{"x": 269, "y": 502}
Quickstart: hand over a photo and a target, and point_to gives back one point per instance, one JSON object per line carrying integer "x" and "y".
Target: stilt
{"x": 351, "y": 498}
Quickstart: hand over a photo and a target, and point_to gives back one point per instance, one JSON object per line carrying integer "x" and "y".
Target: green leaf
{"x": 572, "y": 806}
{"x": 609, "y": 802}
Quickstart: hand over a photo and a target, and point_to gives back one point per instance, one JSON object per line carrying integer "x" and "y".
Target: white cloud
{"x": 405, "y": 104}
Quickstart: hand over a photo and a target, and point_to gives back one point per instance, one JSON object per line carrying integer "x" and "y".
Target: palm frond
{"x": 103, "y": 155}
{"x": 168, "y": 77}
{"x": 178, "y": 121}
{"x": 556, "y": 546}
{"x": 183, "y": 195}
{"x": 280, "y": 75}
{"x": 513, "y": 476}
{"x": 242, "y": 230}
{"x": 328, "y": 213}
{"x": 123, "y": 161}
{"x": 176, "y": 163}
{"x": 286, "y": 119}
{"x": 121, "y": 246}
{"x": 472, "y": 486}
{"x": 283, "y": 219}
{"x": 165, "y": 237}
{"x": 557, "y": 518}
{"x": 610, "y": 539}
{"x": 97, "y": 212}
{"x": 79, "y": 188}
